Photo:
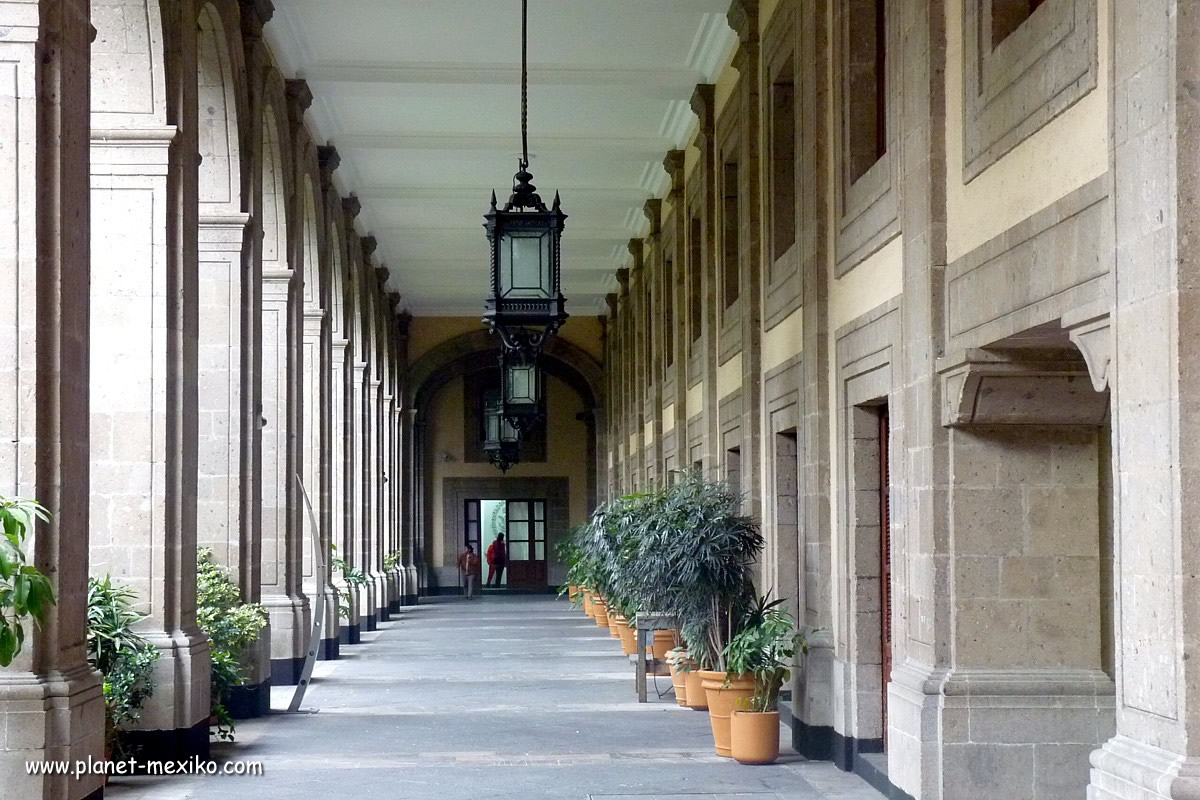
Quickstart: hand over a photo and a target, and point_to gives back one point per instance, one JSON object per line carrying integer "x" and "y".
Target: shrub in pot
{"x": 231, "y": 626}
{"x": 123, "y": 657}
{"x": 25, "y": 593}
{"x": 762, "y": 650}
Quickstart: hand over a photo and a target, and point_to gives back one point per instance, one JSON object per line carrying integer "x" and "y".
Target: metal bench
{"x": 648, "y": 621}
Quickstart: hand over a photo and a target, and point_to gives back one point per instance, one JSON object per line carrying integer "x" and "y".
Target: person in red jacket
{"x": 497, "y": 558}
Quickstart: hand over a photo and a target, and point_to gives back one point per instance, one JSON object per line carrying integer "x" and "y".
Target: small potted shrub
{"x": 123, "y": 657}
{"x": 231, "y": 627}
{"x": 24, "y": 591}
{"x": 763, "y": 650}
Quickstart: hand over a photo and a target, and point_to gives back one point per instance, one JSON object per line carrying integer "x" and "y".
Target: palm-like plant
{"x": 763, "y": 649}
{"x": 707, "y": 549}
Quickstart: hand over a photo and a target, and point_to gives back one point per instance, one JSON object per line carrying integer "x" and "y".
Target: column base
{"x": 329, "y": 649}
{"x": 58, "y": 716}
{"x": 286, "y": 671}
{"x": 812, "y": 708}
{"x": 291, "y": 626}
{"x": 249, "y": 701}
{"x": 1129, "y": 769}
{"x": 180, "y": 744}
{"x": 350, "y": 634}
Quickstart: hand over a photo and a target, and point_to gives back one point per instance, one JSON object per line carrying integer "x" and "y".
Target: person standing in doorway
{"x": 468, "y": 565}
{"x": 497, "y": 557}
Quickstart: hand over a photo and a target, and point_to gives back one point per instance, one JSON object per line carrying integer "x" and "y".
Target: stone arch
{"x": 129, "y": 71}
{"x": 222, "y": 106}
{"x": 227, "y": 409}
{"x": 471, "y": 350}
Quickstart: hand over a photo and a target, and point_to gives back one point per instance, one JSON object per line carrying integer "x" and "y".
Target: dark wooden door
{"x": 526, "y": 544}
{"x": 885, "y": 563}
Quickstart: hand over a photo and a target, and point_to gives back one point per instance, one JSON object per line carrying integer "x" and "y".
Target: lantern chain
{"x": 525, "y": 84}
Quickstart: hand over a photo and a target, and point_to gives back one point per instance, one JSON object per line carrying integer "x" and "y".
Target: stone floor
{"x": 507, "y": 698}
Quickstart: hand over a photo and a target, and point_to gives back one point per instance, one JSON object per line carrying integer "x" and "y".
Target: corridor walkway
{"x": 506, "y": 698}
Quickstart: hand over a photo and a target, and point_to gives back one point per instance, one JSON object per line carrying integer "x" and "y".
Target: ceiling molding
{"x": 620, "y": 194}
{"x": 714, "y": 42}
{"x": 635, "y": 147}
{"x": 447, "y": 73}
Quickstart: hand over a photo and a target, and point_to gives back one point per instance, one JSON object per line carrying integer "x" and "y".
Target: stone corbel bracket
{"x": 1091, "y": 331}
{"x": 986, "y": 387}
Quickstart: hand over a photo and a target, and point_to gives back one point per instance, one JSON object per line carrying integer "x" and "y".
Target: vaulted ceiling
{"x": 421, "y": 98}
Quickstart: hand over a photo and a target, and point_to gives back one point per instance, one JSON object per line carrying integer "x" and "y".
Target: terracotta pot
{"x": 754, "y": 736}
{"x": 695, "y": 696}
{"x": 572, "y": 592}
{"x": 677, "y": 680}
{"x": 664, "y": 642}
{"x": 615, "y": 621}
{"x": 588, "y": 607}
{"x": 600, "y": 612}
{"x": 628, "y": 637}
{"x": 722, "y": 700}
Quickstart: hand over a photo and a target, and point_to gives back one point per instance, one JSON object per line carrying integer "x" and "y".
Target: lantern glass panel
{"x": 521, "y": 384}
{"x": 525, "y": 264}
{"x": 507, "y": 432}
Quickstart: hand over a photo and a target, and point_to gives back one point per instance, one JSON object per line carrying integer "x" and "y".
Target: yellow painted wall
{"x": 566, "y": 454}
{"x": 869, "y": 285}
{"x": 1064, "y": 155}
{"x": 783, "y": 341}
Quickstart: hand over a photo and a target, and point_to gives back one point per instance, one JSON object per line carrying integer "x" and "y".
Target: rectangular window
{"x": 733, "y": 468}
{"x": 1008, "y": 15}
{"x": 669, "y": 311}
{"x": 783, "y": 161}
{"x": 730, "y": 231}
{"x": 866, "y": 86}
{"x": 695, "y": 278}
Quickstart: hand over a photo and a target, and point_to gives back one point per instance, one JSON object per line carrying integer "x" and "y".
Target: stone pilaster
{"x": 1155, "y": 753}
{"x": 51, "y": 706}
{"x": 703, "y": 351}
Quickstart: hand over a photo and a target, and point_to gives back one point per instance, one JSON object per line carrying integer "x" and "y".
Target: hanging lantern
{"x": 522, "y": 390}
{"x": 526, "y": 303}
{"x": 501, "y": 441}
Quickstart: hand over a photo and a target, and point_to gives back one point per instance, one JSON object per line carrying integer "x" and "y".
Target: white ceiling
{"x": 421, "y": 98}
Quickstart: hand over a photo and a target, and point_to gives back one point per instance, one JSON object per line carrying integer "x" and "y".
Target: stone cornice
{"x": 329, "y": 160}
{"x": 674, "y": 165}
{"x": 255, "y": 14}
{"x": 653, "y": 211}
{"x": 703, "y": 102}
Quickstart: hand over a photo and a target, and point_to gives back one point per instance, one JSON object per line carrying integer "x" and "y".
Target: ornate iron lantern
{"x": 526, "y": 303}
{"x": 501, "y": 441}
{"x": 522, "y": 390}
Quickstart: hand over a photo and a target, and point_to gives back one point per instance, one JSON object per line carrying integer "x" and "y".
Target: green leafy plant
{"x": 231, "y": 627}
{"x": 351, "y": 576}
{"x": 24, "y": 591}
{"x": 123, "y": 657}
{"x": 703, "y": 549}
{"x": 763, "y": 648}
{"x": 392, "y": 560}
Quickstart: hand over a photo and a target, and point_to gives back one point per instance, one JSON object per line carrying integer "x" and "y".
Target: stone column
{"x": 360, "y": 438}
{"x": 331, "y": 505}
{"x": 145, "y": 210}
{"x": 409, "y": 454}
{"x": 339, "y": 508}
{"x": 313, "y": 448}
{"x": 704, "y": 106}
{"x": 282, "y": 591}
{"x": 373, "y": 543}
{"x": 1156, "y": 750}
{"x": 743, "y": 18}
{"x": 51, "y": 706}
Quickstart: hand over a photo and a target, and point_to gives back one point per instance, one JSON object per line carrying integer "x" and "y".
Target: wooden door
{"x": 526, "y": 544}
{"x": 885, "y": 563}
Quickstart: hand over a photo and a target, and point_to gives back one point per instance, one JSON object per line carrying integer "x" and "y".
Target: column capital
{"x": 674, "y": 165}
{"x": 703, "y": 102}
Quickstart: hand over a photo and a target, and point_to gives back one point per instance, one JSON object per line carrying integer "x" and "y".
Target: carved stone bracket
{"x": 1091, "y": 331}
{"x": 1013, "y": 387}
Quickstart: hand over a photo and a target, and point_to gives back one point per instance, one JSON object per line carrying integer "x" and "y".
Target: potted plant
{"x": 24, "y": 591}
{"x": 763, "y": 650}
{"x": 123, "y": 657}
{"x": 706, "y": 548}
{"x": 231, "y": 626}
